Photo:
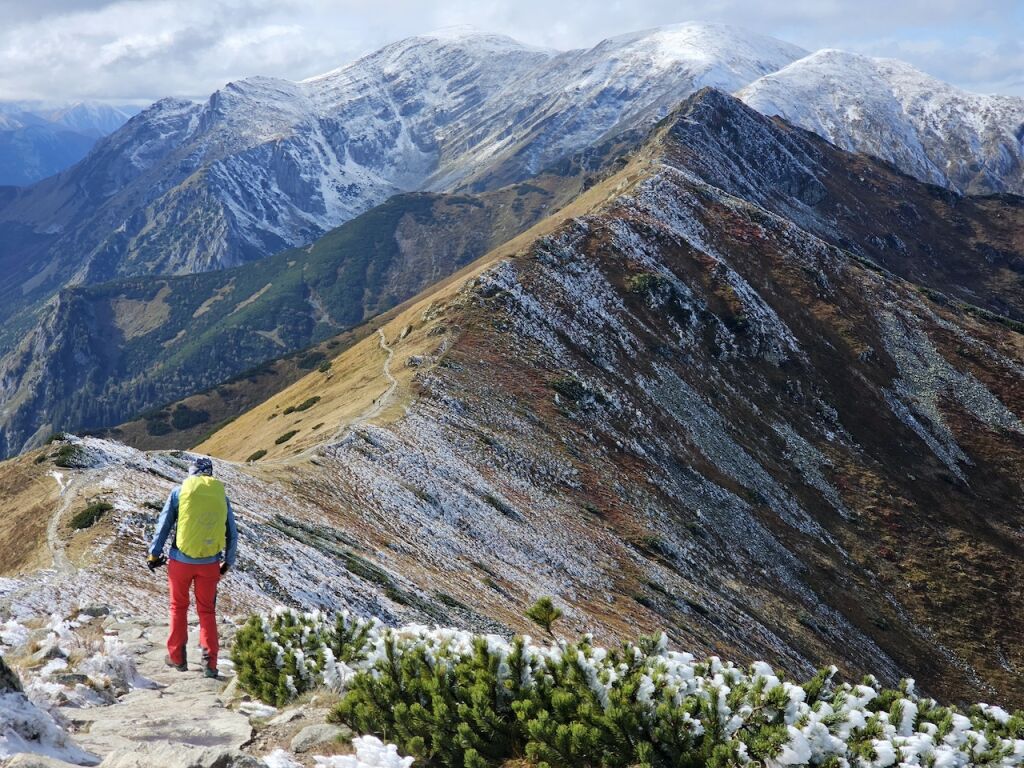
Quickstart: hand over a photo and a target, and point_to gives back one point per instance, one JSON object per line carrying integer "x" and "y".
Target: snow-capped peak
{"x": 716, "y": 55}
{"x": 458, "y": 39}
{"x": 468, "y": 34}
{"x": 693, "y": 40}
{"x": 889, "y": 109}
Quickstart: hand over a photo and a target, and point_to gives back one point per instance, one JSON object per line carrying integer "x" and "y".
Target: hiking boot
{"x": 183, "y": 667}
{"x": 211, "y": 673}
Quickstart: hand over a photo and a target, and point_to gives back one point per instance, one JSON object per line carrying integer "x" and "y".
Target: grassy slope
{"x": 358, "y": 375}
{"x": 497, "y": 216}
{"x": 172, "y": 336}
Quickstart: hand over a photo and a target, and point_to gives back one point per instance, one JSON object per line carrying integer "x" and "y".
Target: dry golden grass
{"x": 137, "y": 318}
{"x": 351, "y": 390}
{"x": 30, "y": 495}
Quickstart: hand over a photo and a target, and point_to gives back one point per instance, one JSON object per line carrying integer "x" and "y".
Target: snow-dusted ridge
{"x": 267, "y": 163}
{"x": 967, "y": 141}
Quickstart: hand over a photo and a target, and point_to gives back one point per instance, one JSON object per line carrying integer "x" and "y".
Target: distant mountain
{"x": 101, "y": 354}
{"x": 966, "y": 141}
{"x": 37, "y": 141}
{"x": 268, "y": 164}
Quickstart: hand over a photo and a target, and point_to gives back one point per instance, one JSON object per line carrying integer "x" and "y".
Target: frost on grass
{"x": 76, "y": 670}
{"x": 709, "y": 432}
{"x": 925, "y": 380}
{"x": 810, "y": 462}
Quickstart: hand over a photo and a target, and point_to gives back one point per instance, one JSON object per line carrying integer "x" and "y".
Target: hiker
{"x": 204, "y": 548}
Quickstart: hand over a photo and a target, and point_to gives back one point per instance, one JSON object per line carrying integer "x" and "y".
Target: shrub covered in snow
{"x": 277, "y": 657}
{"x": 451, "y": 698}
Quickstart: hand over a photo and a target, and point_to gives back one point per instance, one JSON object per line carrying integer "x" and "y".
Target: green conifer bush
{"x": 544, "y": 614}
{"x": 451, "y": 698}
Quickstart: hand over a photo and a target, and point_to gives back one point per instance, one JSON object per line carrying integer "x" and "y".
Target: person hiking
{"x": 204, "y": 548}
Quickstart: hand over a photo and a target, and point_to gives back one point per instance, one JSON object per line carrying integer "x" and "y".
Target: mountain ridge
{"x": 889, "y": 109}
{"x": 666, "y": 405}
{"x": 574, "y": 361}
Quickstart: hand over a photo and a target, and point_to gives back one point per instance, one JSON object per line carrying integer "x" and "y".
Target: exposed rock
{"x": 50, "y": 650}
{"x": 288, "y": 716}
{"x": 30, "y": 760}
{"x": 172, "y": 755}
{"x": 9, "y": 680}
{"x": 95, "y": 610}
{"x": 321, "y": 733}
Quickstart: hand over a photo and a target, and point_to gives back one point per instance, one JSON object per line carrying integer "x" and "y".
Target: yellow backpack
{"x": 202, "y": 517}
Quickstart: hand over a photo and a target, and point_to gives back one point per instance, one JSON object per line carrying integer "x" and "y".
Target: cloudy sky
{"x": 139, "y": 50}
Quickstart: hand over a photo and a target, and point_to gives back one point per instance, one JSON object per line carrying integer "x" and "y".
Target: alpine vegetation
{"x": 449, "y": 697}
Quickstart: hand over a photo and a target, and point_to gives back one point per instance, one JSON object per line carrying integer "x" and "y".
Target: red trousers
{"x": 180, "y": 578}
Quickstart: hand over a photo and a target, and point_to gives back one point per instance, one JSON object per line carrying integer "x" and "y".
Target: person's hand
{"x": 224, "y": 568}
{"x": 155, "y": 561}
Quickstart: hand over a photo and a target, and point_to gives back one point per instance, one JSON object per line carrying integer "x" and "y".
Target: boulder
{"x": 287, "y": 716}
{"x": 50, "y": 650}
{"x": 9, "y": 680}
{"x": 233, "y": 693}
{"x": 95, "y": 610}
{"x": 168, "y": 755}
{"x": 30, "y": 760}
{"x": 321, "y": 733}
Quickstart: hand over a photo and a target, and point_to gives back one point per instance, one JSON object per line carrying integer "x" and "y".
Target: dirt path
{"x": 383, "y": 400}
{"x": 68, "y": 493}
{"x": 376, "y": 408}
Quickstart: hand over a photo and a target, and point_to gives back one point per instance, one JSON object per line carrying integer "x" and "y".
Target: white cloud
{"x": 144, "y": 49}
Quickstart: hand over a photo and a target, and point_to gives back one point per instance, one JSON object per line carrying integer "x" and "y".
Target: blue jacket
{"x": 169, "y": 519}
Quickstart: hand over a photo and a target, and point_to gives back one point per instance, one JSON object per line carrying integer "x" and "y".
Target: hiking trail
{"x": 375, "y": 408}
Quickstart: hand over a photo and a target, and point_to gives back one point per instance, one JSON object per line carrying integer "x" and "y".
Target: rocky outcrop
{"x": 9, "y": 680}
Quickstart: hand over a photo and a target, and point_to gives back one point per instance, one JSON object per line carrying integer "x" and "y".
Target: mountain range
{"x": 37, "y": 141}
{"x": 266, "y": 165}
{"x": 745, "y": 387}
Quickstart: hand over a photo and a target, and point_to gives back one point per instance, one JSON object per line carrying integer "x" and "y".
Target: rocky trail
{"x": 175, "y": 719}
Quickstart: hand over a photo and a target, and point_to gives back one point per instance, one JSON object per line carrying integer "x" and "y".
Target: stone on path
{"x": 319, "y": 733}
{"x": 167, "y": 755}
{"x": 30, "y": 760}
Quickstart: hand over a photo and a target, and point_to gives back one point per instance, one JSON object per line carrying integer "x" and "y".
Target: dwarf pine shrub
{"x": 286, "y": 437}
{"x": 543, "y": 613}
{"x": 452, "y": 698}
{"x": 90, "y": 515}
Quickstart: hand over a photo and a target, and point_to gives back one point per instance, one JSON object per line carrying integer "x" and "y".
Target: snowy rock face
{"x": 966, "y": 141}
{"x": 268, "y": 163}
